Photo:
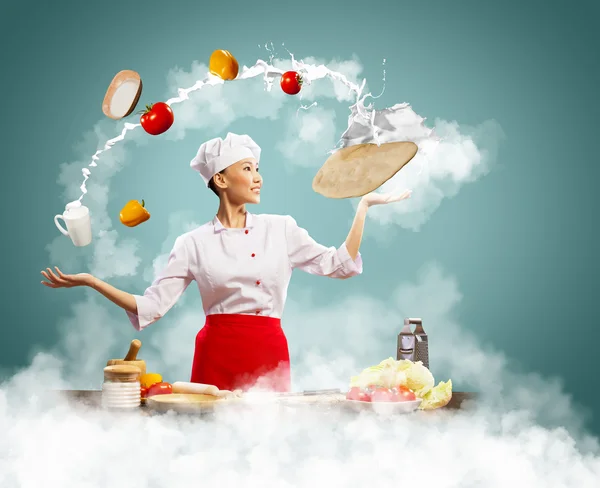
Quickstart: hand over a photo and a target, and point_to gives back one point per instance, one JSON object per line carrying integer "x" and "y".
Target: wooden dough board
{"x": 184, "y": 402}
{"x": 197, "y": 403}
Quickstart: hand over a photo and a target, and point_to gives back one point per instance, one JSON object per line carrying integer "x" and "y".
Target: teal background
{"x": 522, "y": 241}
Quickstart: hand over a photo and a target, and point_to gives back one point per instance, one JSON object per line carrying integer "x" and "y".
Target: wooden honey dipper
{"x": 131, "y": 357}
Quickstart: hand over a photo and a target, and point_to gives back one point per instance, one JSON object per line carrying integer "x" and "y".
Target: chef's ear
{"x": 219, "y": 180}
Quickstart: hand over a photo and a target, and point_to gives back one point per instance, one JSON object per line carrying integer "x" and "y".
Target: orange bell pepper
{"x": 223, "y": 65}
{"x": 134, "y": 213}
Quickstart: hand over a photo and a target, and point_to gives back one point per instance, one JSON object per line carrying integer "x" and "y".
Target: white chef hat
{"x": 217, "y": 154}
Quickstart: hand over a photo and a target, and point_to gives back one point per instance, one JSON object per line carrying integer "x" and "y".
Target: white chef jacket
{"x": 243, "y": 270}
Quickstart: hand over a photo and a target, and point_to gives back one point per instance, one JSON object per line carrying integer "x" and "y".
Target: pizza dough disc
{"x": 357, "y": 170}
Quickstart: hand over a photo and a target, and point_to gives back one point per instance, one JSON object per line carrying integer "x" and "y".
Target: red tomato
{"x": 291, "y": 82}
{"x": 358, "y": 395}
{"x": 353, "y": 393}
{"x": 144, "y": 392}
{"x": 404, "y": 395}
{"x": 157, "y": 118}
{"x": 382, "y": 395}
{"x": 159, "y": 389}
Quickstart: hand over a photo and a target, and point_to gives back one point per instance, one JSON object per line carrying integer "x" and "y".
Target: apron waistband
{"x": 239, "y": 319}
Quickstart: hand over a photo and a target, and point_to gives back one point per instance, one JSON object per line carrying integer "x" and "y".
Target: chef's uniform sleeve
{"x": 314, "y": 258}
{"x": 165, "y": 290}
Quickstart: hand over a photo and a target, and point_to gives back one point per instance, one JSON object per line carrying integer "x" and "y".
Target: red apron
{"x": 237, "y": 351}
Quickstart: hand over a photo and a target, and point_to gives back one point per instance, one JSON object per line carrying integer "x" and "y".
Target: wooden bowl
{"x": 131, "y": 358}
{"x": 122, "y": 94}
{"x": 139, "y": 363}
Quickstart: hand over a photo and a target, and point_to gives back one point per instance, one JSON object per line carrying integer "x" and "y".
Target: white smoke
{"x": 523, "y": 431}
{"x": 506, "y": 438}
{"x": 449, "y": 157}
{"x": 113, "y": 255}
{"x": 214, "y": 108}
{"x": 310, "y": 135}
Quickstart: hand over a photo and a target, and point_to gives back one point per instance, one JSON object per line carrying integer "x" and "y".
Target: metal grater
{"x": 413, "y": 345}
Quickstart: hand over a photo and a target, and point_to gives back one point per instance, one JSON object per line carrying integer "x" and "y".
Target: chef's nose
{"x": 257, "y": 177}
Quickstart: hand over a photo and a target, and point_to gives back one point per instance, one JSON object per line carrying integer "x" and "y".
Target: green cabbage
{"x": 437, "y": 397}
{"x": 390, "y": 373}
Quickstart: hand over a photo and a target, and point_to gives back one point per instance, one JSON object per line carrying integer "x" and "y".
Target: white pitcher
{"x": 79, "y": 227}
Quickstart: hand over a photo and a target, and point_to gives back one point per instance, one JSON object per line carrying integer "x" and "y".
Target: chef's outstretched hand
{"x": 60, "y": 280}
{"x": 373, "y": 198}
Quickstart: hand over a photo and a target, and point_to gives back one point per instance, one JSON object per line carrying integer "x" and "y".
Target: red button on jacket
{"x": 246, "y": 231}
{"x": 253, "y": 254}
{"x": 257, "y": 282}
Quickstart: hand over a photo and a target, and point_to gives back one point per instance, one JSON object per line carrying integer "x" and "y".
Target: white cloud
{"x": 216, "y": 107}
{"x": 112, "y": 256}
{"x": 449, "y": 157}
{"x": 310, "y": 135}
{"x": 506, "y": 439}
{"x": 310, "y": 132}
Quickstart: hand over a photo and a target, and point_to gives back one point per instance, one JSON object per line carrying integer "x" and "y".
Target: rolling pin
{"x": 194, "y": 388}
{"x": 131, "y": 357}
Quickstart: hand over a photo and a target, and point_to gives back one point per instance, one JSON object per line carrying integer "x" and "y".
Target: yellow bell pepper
{"x": 149, "y": 379}
{"x": 134, "y": 213}
{"x": 223, "y": 65}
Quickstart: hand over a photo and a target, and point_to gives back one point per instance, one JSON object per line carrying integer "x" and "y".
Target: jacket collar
{"x": 218, "y": 226}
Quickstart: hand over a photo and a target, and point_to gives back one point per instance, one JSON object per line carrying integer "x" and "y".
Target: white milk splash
{"x": 365, "y": 124}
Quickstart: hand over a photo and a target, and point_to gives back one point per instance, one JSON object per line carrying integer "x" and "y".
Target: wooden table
{"x": 93, "y": 398}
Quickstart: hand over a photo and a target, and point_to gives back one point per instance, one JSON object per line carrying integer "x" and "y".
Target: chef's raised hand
{"x": 60, "y": 280}
{"x": 373, "y": 198}
{"x": 356, "y": 231}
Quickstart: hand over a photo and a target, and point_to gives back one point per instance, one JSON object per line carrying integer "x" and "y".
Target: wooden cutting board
{"x": 198, "y": 403}
{"x": 185, "y": 402}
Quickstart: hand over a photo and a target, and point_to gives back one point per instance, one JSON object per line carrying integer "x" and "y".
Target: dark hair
{"x": 211, "y": 183}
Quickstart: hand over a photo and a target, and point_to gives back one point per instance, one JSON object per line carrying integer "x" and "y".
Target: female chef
{"x": 242, "y": 264}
